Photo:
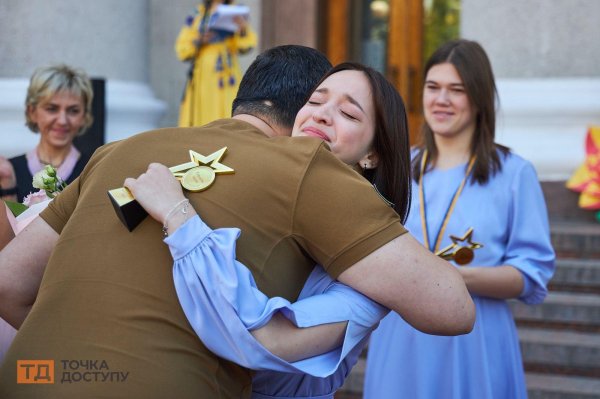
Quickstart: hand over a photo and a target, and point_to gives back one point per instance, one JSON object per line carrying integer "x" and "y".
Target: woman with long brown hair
{"x": 481, "y": 207}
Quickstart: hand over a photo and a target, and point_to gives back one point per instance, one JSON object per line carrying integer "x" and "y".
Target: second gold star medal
{"x": 461, "y": 255}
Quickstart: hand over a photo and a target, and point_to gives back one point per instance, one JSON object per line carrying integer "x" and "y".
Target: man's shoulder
{"x": 300, "y": 144}
{"x": 220, "y": 130}
{"x": 229, "y": 125}
{"x": 306, "y": 154}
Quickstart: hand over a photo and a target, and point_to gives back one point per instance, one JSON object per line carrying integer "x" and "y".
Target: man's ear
{"x": 369, "y": 161}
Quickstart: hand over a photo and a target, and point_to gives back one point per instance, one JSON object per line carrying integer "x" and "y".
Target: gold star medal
{"x": 196, "y": 175}
{"x": 199, "y": 174}
{"x": 461, "y": 254}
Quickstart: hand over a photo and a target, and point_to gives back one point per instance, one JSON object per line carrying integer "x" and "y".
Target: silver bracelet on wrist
{"x": 186, "y": 202}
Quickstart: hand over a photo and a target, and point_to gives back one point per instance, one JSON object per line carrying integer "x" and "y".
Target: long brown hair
{"x": 391, "y": 177}
{"x": 475, "y": 70}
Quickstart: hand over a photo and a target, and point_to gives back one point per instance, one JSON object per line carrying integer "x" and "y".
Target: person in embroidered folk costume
{"x": 214, "y": 74}
{"x": 586, "y": 179}
{"x": 470, "y": 196}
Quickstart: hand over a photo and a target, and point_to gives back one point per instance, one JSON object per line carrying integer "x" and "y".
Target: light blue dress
{"x": 222, "y": 303}
{"x": 509, "y": 218}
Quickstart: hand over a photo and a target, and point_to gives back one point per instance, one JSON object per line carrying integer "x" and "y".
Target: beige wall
{"x": 536, "y": 38}
{"x": 545, "y": 56}
{"x": 107, "y": 38}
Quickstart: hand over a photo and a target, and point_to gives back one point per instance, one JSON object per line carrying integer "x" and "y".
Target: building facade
{"x": 544, "y": 53}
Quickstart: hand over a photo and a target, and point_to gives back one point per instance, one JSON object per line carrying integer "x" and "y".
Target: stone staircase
{"x": 560, "y": 339}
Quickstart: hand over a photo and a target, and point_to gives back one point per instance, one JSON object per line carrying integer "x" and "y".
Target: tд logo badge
{"x": 35, "y": 371}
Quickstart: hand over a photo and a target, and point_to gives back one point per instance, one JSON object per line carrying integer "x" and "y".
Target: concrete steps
{"x": 561, "y": 351}
{"x": 577, "y": 311}
{"x": 577, "y": 275}
{"x": 545, "y": 386}
{"x": 579, "y": 240}
{"x": 560, "y": 339}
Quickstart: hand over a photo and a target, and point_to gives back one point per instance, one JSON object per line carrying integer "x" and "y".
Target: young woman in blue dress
{"x": 481, "y": 206}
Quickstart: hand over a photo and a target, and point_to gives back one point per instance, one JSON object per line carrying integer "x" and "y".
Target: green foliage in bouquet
{"x": 49, "y": 184}
{"x": 16, "y": 207}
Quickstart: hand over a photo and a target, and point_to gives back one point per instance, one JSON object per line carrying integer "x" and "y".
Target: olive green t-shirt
{"x": 107, "y": 312}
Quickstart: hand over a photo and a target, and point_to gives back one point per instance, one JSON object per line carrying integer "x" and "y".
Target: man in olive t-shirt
{"x": 106, "y": 321}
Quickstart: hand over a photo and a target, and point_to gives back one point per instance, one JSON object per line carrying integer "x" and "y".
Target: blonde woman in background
{"x": 58, "y": 107}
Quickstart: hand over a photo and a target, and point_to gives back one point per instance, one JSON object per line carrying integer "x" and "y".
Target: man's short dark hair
{"x": 278, "y": 83}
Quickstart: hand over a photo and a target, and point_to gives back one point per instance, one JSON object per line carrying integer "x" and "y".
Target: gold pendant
{"x": 460, "y": 254}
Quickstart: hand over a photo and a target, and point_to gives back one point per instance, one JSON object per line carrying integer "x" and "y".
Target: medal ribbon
{"x": 423, "y": 211}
